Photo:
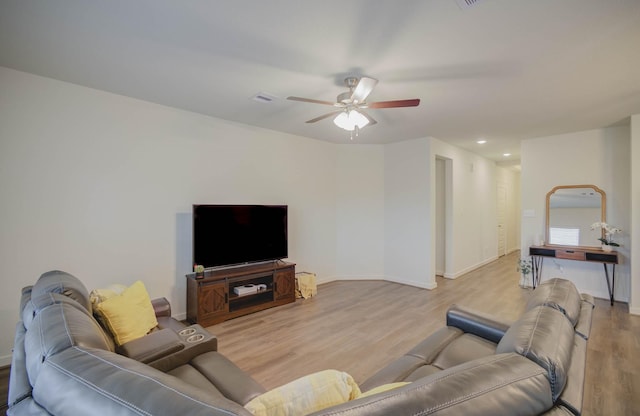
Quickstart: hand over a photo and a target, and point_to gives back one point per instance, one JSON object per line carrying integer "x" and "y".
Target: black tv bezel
{"x": 248, "y": 261}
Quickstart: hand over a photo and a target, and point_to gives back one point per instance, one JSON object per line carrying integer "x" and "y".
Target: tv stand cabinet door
{"x": 213, "y": 303}
{"x": 284, "y": 284}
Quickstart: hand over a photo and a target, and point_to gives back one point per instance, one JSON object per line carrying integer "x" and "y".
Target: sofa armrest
{"x": 196, "y": 341}
{"x": 152, "y": 346}
{"x": 476, "y": 323}
{"x": 161, "y": 307}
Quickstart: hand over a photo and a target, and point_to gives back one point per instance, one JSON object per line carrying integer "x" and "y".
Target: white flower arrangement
{"x": 609, "y": 231}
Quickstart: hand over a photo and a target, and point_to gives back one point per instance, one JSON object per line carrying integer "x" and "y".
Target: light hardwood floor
{"x": 360, "y": 326}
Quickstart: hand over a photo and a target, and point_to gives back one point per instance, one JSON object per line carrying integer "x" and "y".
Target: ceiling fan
{"x": 350, "y": 115}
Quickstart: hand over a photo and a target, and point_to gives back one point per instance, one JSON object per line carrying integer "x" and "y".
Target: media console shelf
{"x": 594, "y": 255}
{"x": 212, "y": 298}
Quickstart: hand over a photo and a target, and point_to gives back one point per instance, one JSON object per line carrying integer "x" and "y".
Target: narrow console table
{"x": 212, "y": 298}
{"x": 594, "y": 255}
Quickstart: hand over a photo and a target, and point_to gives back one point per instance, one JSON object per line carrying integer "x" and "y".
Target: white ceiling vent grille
{"x": 465, "y": 4}
{"x": 263, "y": 97}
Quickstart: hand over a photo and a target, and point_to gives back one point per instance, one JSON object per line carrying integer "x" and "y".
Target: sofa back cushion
{"x": 503, "y": 384}
{"x": 560, "y": 294}
{"x": 37, "y": 303}
{"x": 546, "y": 337}
{"x": 58, "y": 327}
{"x": 84, "y": 381}
{"x": 57, "y": 281}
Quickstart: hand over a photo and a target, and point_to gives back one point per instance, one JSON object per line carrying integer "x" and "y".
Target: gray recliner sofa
{"x": 64, "y": 363}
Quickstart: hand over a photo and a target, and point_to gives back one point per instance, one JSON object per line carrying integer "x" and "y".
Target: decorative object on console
{"x": 524, "y": 267}
{"x": 609, "y": 231}
{"x": 199, "y": 270}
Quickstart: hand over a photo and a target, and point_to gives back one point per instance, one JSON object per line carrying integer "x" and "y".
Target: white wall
{"x": 408, "y": 213}
{"x": 101, "y": 186}
{"x": 472, "y": 236}
{"x": 598, "y": 157}
{"x": 360, "y": 212}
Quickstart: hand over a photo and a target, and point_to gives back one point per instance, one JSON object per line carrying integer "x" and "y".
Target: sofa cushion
{"x": 128, "y": 316}
{"x": 383, "y": 388}
{"x": 305, "y": 395}
{"x": 503, "y": 384}
{"x": 546, "y": 337}
{"x": 465, "y": 348}
{"x": 559, "y": 294}
{"x": 57, "y": 281}
{"x": 84, "y": 381}
{"x": 190, "y": 375}
{"x": 232, "y": 382}
{"x": 36, "y": 303}
{"x": 58, "y": 327}
{"x": 417, "y": 360}
{"x": 573, "y": 392}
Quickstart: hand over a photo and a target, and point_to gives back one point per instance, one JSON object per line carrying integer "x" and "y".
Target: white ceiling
{"x": 503, "y": 70}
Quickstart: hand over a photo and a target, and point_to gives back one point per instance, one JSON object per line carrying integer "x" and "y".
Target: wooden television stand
{"x": 211, "y": 299}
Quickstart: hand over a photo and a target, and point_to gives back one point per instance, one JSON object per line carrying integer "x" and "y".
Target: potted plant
{"x": 609, "y": 231}
{"x": 524, "y": 267}
{"x": 199, "y": 269}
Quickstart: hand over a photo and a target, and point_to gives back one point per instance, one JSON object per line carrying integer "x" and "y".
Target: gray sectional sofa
{"x": 64, "y": 363}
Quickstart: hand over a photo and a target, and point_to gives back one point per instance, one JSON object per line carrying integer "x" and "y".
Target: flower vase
{"x": 606, "y": 247}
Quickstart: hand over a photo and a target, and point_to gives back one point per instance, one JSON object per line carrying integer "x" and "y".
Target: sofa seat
{"x": 446, "y": 348}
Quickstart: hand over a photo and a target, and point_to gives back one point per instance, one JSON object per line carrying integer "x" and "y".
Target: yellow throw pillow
{"x": 129, "y": 315}
{"x": 383, "y": 388}
{"x": 306, "y": 395}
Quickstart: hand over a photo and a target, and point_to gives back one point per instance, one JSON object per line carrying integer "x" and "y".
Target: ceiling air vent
{"x": 263, "y": 97}
{"x": 465, "y": 4}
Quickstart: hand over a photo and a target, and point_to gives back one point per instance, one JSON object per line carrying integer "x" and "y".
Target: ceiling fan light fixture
{"x": 348, "y": 120}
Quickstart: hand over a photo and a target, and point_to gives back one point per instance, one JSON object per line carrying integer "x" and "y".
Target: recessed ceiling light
{"x": 481, "y": 141}
{"x": 506, "y": 154}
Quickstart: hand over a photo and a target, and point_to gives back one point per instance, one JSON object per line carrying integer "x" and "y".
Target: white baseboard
{"x": 634, "y": 310}
{"x": 470, "y": 268}
{"x": 429, "y": 286}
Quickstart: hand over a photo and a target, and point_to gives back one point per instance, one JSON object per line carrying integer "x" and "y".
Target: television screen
{"x": 235, "y": 234}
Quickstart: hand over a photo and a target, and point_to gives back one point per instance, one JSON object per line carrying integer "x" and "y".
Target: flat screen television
{"x": 225, "y": 235}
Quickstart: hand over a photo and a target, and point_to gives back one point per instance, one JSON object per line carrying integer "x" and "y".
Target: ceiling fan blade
{"x": 395, "y": 103}
{"x": 333, "y": 113}
{"x": 309, "y": 100}
{"x": 363, "y": 89}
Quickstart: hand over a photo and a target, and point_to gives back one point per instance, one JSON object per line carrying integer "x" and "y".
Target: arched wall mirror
{"x": 571, "y": 209}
